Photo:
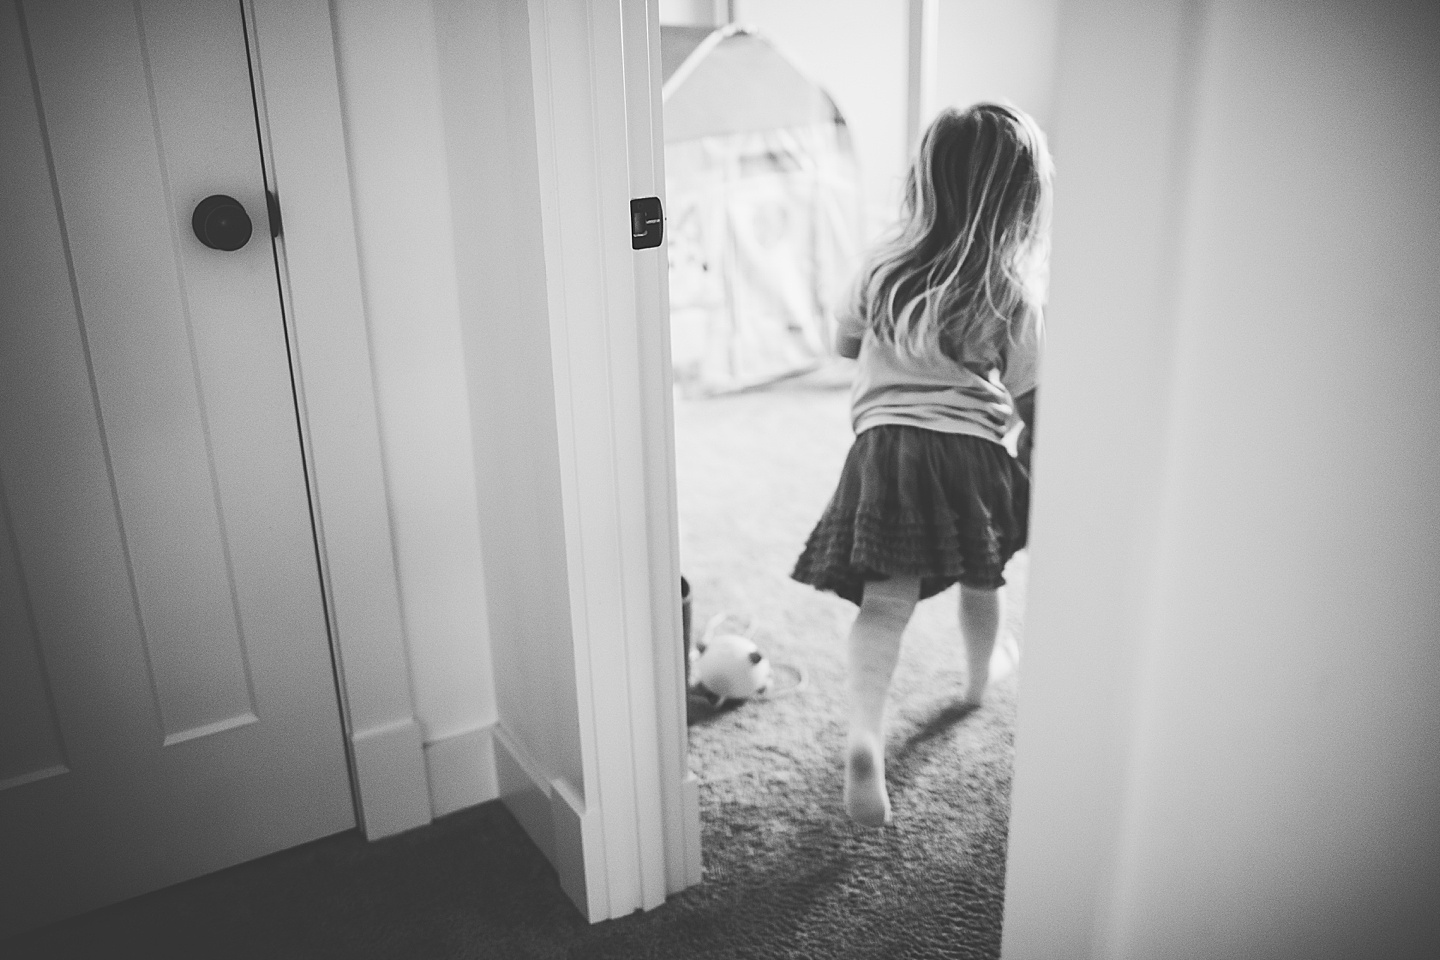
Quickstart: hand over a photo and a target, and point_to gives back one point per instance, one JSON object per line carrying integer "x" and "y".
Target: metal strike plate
{"x": 272, "y": 203}
{"x": 647, "y": 223}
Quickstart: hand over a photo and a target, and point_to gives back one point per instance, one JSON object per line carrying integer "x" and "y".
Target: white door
{"x": 167, "y": 700}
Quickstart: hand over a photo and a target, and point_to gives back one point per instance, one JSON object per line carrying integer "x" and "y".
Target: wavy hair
{"x": 967, "y": 264}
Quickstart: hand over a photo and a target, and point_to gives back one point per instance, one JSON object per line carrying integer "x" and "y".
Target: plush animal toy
{"x": 728, "y": 666}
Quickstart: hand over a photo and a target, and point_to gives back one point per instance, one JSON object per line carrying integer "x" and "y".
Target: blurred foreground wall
{"x": 1229, "y": 719}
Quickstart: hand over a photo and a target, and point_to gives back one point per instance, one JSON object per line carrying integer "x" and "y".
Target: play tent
{"x": 764, "y": 210}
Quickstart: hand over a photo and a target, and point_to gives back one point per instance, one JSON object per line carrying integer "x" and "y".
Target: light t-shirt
{"x": 938, "y": 393}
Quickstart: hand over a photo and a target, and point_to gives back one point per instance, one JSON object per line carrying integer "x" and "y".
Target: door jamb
{"x": 680, "y": 787}
{"x": 597, "y": 106}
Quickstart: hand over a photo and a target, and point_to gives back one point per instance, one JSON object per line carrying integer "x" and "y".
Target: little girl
{"x": 945, "y": 319}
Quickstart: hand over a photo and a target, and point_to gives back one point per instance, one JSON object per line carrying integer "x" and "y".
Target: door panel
{"x": 124, "y": 245}
{"x": 31, "y": 748}
{"x": 169, "y": 702}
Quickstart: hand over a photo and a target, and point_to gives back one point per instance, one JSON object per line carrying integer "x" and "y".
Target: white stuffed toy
{"x": 728, "y": 666}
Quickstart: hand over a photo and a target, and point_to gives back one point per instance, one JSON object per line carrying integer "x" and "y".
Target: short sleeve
{"x": 1022, "y": 364}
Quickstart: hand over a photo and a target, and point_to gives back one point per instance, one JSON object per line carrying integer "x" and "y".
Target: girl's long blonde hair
{"x": 967, "y": 265}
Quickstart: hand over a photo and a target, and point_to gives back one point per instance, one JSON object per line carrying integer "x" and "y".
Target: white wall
{"x": 494, "y": 183}
{"x": 693, "y": 12}
{"x": 996, "y": 50}
{"x": 440, "y": 109}
{"x": 1093, "y": 516}
{"x": 386, "y": 55}
{"x": 858, "y": 51}
{"x": 1228, "y": 714}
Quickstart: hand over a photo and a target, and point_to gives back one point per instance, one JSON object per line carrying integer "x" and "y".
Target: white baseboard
{"x": 576, "y": 845}
{"x": 460, "y": 770}
{"x": 690, "y": 798}
{"x": 556, "y": 819}
{"x": 390, "y": 777}
{"x": 525, "y": 791}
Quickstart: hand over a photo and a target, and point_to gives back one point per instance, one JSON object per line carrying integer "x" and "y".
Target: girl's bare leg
{"x": 873, "y": 650}
{"x": 979, "y": 624}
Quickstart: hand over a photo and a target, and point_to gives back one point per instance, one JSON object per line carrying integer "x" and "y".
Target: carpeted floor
{"x": 754, "y": 473}
{"x": 786, "y": 875}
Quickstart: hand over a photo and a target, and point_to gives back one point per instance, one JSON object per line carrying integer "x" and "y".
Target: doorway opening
{"x": 762, "y": 423}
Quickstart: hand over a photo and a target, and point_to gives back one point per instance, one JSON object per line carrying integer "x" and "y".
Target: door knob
{"x": 221, "y": 223}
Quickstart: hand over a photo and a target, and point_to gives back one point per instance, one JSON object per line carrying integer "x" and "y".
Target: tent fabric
{"x": 742, "y": 83}
{"x": 676, "y": 45}
{"x": 763, "y": 196}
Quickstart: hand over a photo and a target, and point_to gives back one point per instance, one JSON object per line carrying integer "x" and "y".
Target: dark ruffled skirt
{"x": 948, "y": 507}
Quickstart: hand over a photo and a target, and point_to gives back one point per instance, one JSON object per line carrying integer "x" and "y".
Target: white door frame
{"x": 595, "y": 66}
{"x": 597, "y": 99}
{"x": 680, "y": 787}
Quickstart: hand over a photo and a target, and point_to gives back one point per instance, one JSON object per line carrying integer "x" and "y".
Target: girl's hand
{"x": 1025, "y": 407}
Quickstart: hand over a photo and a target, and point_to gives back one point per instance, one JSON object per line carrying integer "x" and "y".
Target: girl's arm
{"x": 1021, "y": 373}
{"x": 1025, "y": 407}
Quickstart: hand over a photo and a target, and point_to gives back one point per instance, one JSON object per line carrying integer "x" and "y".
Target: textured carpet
{"x": 786, "y": 875}
{"x": 754, "y": 473}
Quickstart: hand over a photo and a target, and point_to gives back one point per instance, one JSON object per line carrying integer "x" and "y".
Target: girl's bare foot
{"x": 865, "y": 798}
{"x": 974, "y": 692}
{"x": 1005, "y": 658}
{"x": 980, "y": 626}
